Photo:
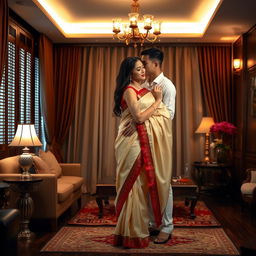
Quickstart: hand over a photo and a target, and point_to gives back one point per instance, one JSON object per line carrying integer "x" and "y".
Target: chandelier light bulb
{"x": 157, "y": 27}
{"x": 126, "y": 29}
{"x": 116, "y": 25}
{"x": 133, "y": 19}
{"x": 148, "y": 19}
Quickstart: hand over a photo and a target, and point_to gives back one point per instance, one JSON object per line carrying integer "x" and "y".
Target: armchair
{"x": 248, "y": 189}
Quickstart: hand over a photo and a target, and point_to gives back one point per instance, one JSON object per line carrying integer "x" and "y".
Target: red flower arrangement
{"x": 223, "y": 127}
{"x": 220, "y": 129}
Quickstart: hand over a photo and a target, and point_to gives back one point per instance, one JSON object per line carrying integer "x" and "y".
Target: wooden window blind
{"x": 20, "y": 86}
{"x": 11, "y": 92}
{"x": 37, "y": 95}
{"x": 2, "y": 109}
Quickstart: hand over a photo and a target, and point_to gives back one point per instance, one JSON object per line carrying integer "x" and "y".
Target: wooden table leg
{"x": 100, "y": 205}
{"x": 192, "y": 200}
{"x": 103, "y": 191}
{"x": 99, "y": 200}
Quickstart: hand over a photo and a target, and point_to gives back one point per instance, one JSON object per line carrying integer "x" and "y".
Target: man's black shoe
{"x": 154, "y": 232}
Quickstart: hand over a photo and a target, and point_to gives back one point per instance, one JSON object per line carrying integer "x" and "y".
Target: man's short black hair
{"x": 154, "y": 53}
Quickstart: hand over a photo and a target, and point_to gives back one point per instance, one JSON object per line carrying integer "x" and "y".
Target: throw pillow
{"x": 253, "y": 176}
{"x": 10, "y": 165}
{"x": 51, "y": 161}
{"x": 40, "y": 165}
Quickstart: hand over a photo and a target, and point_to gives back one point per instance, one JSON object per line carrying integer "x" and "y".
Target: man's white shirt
{"x": 169, "y": 91}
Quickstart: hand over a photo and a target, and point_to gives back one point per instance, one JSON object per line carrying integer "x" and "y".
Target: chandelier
{"x": 132, "y": 33}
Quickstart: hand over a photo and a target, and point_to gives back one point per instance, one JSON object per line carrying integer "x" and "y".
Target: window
{"x": 20, "y": 88}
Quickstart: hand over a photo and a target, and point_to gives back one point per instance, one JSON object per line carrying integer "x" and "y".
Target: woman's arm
{"x": 133, "y": 105}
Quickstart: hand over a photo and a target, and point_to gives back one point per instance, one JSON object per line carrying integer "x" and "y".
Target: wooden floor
{"x": 239, "y": 226}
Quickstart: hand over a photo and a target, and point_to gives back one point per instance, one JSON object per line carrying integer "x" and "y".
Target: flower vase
{"x": 222, "y": 155}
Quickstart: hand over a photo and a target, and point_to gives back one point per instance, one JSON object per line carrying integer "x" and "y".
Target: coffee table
{"x": 183, "y": 187}
{"x": 103, "y": 192}
{"x": 187, "y": 189}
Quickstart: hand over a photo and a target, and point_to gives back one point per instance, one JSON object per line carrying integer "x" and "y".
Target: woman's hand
{"x": 157, "y": 92}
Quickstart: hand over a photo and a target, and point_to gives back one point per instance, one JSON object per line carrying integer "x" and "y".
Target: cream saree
{"x": 143, "y": 167}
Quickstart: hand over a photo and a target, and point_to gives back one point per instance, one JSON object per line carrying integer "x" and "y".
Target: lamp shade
{"x": 25, "y": 136}
{"x": 205, "y": 125}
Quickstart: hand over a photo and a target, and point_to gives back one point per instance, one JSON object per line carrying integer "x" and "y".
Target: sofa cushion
{"x": 51, "y": 161}
{"x": 253, "y": 176}
{"x": 247, "y": 188}
{"x": 10, "y": 165}
{"x": 40, "y": 165}
{"x": 76, "y": 182}
{"x": 64, "y": 190}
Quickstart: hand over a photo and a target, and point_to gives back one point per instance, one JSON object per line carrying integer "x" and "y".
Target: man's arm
{"x": 169, "y": 95}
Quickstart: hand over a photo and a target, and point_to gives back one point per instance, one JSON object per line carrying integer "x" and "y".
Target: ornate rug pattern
{"x": 88, "y": 216}
{"x": 97, "y": 240}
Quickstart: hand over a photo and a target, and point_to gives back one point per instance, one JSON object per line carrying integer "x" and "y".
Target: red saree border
{"x": 150, "y": 172}
{"x": 143, "y": 159}
{"x": 140, "y": 94}
{"x": 130, "y": 242}
{"x": 128, "y": 184}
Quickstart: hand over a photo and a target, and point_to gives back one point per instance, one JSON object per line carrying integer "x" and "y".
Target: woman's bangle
{"x": 153, "y": 107}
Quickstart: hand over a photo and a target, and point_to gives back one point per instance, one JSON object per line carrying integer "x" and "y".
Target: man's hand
{"x": 157, "y": 92}
{"x": 129, "y": 129}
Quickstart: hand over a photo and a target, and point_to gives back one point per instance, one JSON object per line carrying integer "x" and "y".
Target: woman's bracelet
{"x": 154, "y": 107}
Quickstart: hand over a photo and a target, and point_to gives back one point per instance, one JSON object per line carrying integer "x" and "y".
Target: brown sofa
{"x": 54, "y": 195}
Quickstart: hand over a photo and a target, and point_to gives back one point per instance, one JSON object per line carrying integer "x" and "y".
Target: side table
{"x": 212, "y": 175}
{"x": 24, "y": 203}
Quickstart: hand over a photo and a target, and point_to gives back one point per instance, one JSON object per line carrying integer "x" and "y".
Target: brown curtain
{"x": 66, "y": 66}
{"x": 94, "y": 128}
{"x": 4, "y": 13}
{"x": 47, "y": 86}
{"x": 215, "y": 73}
{"x": 181, "y": 66}
{"x": 58, "y": 77}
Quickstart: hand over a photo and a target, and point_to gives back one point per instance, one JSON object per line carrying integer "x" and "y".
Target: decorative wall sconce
{"x": 237, "y": 64}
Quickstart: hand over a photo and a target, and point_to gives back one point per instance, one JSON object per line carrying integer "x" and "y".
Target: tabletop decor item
{"x": 221, "y": 144}
{"x": 25, "y": 137}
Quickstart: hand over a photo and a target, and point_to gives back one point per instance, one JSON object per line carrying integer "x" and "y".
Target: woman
{"x": 143, "y": 159}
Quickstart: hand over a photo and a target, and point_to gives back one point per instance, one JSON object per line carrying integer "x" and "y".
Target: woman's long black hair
{"x": 122, "y": 81}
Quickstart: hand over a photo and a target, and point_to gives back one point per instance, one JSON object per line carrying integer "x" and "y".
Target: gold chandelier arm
{"x": 122, "y": 37}
{"x": 143, "y": 35}
{"x": 153, "y": 39}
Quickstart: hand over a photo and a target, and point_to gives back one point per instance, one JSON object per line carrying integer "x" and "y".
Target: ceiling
{"x": 230, "y": 19}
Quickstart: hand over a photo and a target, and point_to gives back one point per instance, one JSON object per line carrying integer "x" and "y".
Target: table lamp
{"x": 204, "y": 127}
{"x": 26, "y": 137}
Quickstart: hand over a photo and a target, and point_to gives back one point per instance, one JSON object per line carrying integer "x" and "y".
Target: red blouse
{"x": 139, "y": 93}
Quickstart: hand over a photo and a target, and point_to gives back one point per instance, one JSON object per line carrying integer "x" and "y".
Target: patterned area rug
{"x": 89, "y": 216}
{"x": 98, "y": 241}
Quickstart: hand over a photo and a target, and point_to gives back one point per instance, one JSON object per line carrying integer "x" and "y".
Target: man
{"x": 152, "y": 59}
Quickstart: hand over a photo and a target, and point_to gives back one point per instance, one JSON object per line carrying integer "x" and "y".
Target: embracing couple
{"x": 145, "y": 100}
